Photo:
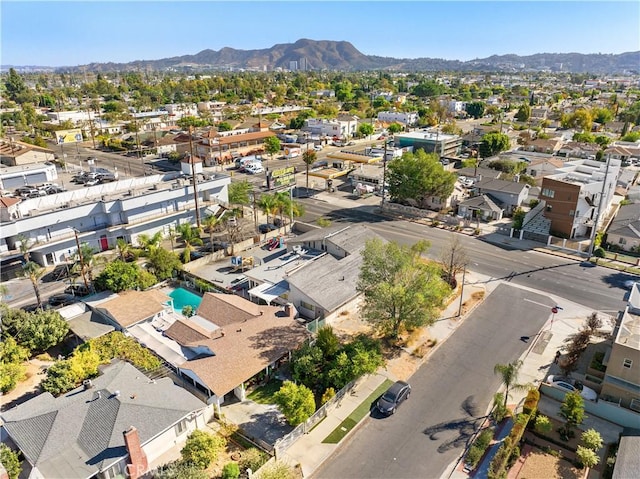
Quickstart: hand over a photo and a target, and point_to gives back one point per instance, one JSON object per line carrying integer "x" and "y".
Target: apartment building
{"x": 407, "y": 118}
{"x": 431, "y": 142}
{"x": 102, "y": 214}
{"x": 575, "y": 193}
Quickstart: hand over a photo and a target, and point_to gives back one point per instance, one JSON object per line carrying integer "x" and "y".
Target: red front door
{"x": 104, "y": 243}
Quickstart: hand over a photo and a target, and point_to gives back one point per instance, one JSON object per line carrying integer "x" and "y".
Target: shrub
{"x": 10, "y": 375}
{"x": 543, "y": 425}
{"x": 179, "y": 470}
{"x": 253, "y": 459}
{"x": 202, "y": 448}
{"x": 231, "y": 471}
{"x": 587, "y": 457}
{"x": 531, "y": 402}
{"x": 599, "y": 253}
{"x": 10, "y": 460}
{"x": 277, "y": 470}
{"x": 478, "y": 448}
{"x": 592, "y": 439}
{"x": 328, "y": 394}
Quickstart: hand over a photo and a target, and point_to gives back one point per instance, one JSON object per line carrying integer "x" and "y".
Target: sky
{"x": 52, "y": 33}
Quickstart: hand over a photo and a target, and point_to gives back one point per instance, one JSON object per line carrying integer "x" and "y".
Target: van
{"x": 241, "y": 163}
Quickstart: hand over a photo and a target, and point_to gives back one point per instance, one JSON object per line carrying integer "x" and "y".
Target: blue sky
{"x": 51, "y": 33}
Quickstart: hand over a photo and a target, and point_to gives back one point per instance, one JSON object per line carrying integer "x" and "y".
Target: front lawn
{"x": 264, "y": 394}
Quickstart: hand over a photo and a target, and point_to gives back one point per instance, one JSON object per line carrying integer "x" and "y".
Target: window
{"x": 117, "y": 471}
{"x": 622, "y": 241}
{"x": 307, "y": 306}
{"x": 627, "y": 363}
{"x": 548, "y": 193}
{"x": 572, "y": 213}
{"x": 181, "y": 427}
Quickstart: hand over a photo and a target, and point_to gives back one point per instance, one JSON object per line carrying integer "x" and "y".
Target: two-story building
{"x": 430, "y": 142}
{"x": 100, "y": 215}
{"x": 406, "y": 118}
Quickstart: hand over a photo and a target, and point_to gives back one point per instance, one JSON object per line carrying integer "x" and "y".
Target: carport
{"x": 269, "y": 292}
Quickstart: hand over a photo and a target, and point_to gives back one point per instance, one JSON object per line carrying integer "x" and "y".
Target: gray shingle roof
{"x": 488, "y": 185}
{"x": 327, "y": 281}
{"x": 79, "y": 433}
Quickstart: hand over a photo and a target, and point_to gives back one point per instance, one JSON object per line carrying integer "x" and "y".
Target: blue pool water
{"x": 182, "y": 297}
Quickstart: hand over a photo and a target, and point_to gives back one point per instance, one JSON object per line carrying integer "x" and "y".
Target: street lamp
{"x": 384, "y": 173}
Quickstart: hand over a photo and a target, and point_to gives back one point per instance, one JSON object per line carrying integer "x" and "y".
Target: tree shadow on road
{"x": 464, "y": 426}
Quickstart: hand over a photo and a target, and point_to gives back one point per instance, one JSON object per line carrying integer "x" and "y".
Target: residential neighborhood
{"x": 286, "y": 270}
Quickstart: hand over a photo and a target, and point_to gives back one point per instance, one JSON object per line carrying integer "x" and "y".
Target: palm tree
{"x": 124, "y": 249}
{"x": 269, "y": 205}
{"x": 286, "y": 206}
{"x": 309, "y": 158}
{"x": 191, "y": 237}
{"x": 211, "y": 223}
{"x": 34, "y": 272}
{"x": 149, "y": 243}
{"x": 509, "y": 375}
{"x": 25, "y": 247}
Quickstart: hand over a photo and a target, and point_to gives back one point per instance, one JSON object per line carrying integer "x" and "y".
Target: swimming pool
{"x": 182, "y": 297}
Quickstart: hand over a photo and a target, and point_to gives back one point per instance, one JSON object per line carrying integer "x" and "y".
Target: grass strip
{"x": 356, "y": 416}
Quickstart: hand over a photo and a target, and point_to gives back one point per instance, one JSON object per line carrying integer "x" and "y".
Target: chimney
{"x": 289, "y": 310}
{"x": 138, "y": 463}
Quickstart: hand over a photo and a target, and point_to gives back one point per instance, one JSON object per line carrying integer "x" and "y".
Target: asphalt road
{"x": 450, "y": 395}
{"x": 594, "y": 287}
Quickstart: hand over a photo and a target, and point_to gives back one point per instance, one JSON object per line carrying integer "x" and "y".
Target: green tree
{"x": 10, "y": 460}
{"x": 59, "y": 378}
{"x": 476, "y": 109}
{"x": 224, "y": 126}
{"x": 296, "y": 402}
{"x": 394, "y": 128}
{"x": 12, "y": 352}
{"x": 202, "y": 448}
{"x": 509, "y": 375}
{"x": 592, "y": 439}
{"x": 587, "y": 457}
{"x": 365, "y": 129}
{"x": 34, "y": 272}
{"x": 572, "y": 410}
{"x": 524, "y": 113}
{"x": 239, "y": 192}
{"x": 125, "y": 250}
{"x": 269, "y": 205}
{"x": 602, "y": 115}
{"x": 164, "y": 264}
{"x": 10, "y": 375}
{"x": 400, "y": 290}
{"x": 416, "y": 177}
{"x": 120, "y": 276}
{"x": 211, "y": 224}
{"x": 15, "y": 87}
{"x": 493, "y": 143}
{"x": 271, "y": 145}
{"x": 190, "y": 236}
{"x": 328, "y": 342}
{"x": 42, "y": 330}
{"x": 309, "y": 158}
{"x": 585, "y": 137}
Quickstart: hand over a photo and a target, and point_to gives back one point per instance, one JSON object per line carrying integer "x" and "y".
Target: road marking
{"x": 535, "y": 302}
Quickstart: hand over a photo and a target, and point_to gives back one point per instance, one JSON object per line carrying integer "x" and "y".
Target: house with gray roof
{"x": 115, "y": 425}
{"x": 624, "y": 230}
{"x": 509, "y": 195}
{"x": 481, "y": 207}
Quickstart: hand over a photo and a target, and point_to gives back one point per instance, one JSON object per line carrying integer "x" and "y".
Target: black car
{"x": 393, "y": 397}
{"x": 62, "y": 299}
{"x": 77, "y": 290}
{"x": 267, "y": 227}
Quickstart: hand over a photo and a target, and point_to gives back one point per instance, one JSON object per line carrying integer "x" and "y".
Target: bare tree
{"x": 453, "y": 258}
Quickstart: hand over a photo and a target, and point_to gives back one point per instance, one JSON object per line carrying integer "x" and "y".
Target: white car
{"x": 317, "y": 147}
{"x": 564, "y": 383}
{"x": 254, "y": 169}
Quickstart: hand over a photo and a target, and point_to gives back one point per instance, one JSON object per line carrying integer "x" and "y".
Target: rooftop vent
{"x": 87, "y": 384}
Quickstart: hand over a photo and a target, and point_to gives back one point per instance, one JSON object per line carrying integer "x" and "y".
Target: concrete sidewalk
{"x": 309, "y": 451}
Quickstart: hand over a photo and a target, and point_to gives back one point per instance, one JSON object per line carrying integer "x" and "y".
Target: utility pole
{"x": 384, "y": 174}
{"x": 194, "y": 181}
{"x": 598, "y": 213}
{"x": 84, "y": 274}
{"x": 462, "y": 291}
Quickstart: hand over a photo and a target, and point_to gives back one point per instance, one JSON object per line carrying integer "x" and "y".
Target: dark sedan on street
{"x": 397, "y": 393}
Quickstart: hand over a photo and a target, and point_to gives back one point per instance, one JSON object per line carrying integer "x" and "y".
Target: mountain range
{"x": 342, "y": 55}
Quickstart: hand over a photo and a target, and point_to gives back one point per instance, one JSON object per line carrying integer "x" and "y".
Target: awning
{"x": 268, "y": 291}
{"x": 355, "y": 157}
{"x": 329, "y": 173}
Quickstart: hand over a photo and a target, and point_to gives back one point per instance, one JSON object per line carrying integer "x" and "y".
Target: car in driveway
{"x": 397, "y": 393}
{"x": 63, "y": 299}
{"x": 569, "y": 385}
{"x": 77, "y": 290}
{"x": 267, "y": 227}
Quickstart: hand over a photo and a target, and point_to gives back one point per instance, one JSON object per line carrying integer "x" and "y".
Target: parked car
{"x": 92, "y": 182}
{"x": 63, "y": 299}
{"x": 267, "y": 227}
{"x": 351, "y": 143}
{"x": 52, "y": 190}
{"x": 397, "y": 393}
{"x": 317, "y": 147}
{"x": 37, "y": 194}
{"x": 77, "y": 290}
{"x": 573, "y": 386}
{"x": 254, "y": 169}
{"x": 630, "y": 282}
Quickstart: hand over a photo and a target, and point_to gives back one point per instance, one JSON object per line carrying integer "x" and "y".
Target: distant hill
{"x": 340, "y": 55}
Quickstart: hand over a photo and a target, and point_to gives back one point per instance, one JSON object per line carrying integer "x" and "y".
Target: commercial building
{"x": 407, "y": 118}
{"x": 431, "y": 142}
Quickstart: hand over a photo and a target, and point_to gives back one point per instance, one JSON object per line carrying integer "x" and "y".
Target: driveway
{"x": 451, "y": 394}
{"x": 258, "y": 421}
